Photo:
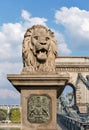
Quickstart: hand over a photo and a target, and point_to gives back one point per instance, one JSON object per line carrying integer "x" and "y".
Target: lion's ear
{"x": 28, "y": 33}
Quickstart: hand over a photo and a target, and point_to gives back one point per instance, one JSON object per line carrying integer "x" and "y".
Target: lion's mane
{"x": 39, "y": 54}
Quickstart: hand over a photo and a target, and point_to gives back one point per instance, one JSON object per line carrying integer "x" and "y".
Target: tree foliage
{"x": 15, "y": 115}
{"x": 3, "y": 114}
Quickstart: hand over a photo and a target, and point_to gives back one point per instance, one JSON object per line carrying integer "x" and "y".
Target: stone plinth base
{"x": 38, "y": 99}
{"x": 48, "y": 124}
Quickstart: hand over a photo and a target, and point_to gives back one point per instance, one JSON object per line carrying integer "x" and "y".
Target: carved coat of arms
{"x": 39, "y": 109}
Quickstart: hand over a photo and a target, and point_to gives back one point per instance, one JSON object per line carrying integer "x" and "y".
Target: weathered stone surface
{"x": 82, "y": 93}
{"x": 51, "y": 123}
{"x": 39, "y": 86}
{"x": 71, "y": 66}
{"x": 39, "y": 50}
{"x": 38, "y": 109}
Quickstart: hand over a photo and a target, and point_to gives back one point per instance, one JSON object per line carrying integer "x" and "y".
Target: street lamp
{"x": 8, "y": 111}
{"x": 70, "y": 97}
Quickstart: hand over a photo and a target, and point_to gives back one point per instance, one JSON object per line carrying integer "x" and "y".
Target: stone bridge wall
{"x": 71, "y": 66}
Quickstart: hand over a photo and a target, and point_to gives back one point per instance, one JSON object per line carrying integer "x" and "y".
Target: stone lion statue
{"x": 39, "y": 50}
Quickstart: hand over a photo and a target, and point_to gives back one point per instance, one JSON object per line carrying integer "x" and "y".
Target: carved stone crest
{"x": 39, "y": 109}
{"x": 39, "y": 50}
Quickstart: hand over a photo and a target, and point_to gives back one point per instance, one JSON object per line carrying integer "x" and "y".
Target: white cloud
{"x": 26, "y": 15}
{"x": 11, "y": 37}
{"x": 62, "y": 46}
{"x": 76, "y": 24}
{"x": 10, "y": 67}
{"x": 35, "y": 20}
{"x": 6, "y": 93}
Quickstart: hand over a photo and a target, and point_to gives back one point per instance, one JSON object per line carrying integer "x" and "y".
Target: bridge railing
{"x": 73, "y": 124}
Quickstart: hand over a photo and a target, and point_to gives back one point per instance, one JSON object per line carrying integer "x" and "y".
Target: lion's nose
{"x": 43, "y": 43}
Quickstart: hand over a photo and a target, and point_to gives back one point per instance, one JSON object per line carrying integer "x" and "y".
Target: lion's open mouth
{"x": 42, "y": 54}
{"x": 43, "y": 50}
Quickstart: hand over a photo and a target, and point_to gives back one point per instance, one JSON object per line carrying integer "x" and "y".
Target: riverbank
{"x": 10, "y": 125}
{"x": 18, "y": 126}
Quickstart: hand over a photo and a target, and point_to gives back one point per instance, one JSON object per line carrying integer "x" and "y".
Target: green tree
{"x": 3, "y": 114}
{"x": 15, "y": 115}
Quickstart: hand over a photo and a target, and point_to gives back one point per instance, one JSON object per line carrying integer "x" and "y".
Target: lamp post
{"x": 70, "y": 97}
{"x": 8, "y": 111}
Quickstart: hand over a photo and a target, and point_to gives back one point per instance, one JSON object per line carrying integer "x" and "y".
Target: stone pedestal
{"x": 38, "y": 99}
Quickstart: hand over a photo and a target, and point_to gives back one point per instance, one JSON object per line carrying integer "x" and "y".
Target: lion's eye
{"x": 36, "y": 37}
{"x": 47, "y": 38}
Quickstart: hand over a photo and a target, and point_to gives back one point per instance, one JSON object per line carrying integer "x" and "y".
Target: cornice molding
{"x": 72, "y": 64}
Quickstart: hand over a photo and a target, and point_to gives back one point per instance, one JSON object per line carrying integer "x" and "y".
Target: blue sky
{"x": 69, "y": 19}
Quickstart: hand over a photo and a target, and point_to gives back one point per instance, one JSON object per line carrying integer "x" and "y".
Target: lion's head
{"x": 39, "y": 49}
{"x": 41, "y": 43}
